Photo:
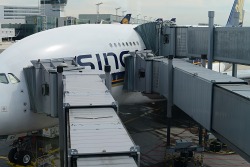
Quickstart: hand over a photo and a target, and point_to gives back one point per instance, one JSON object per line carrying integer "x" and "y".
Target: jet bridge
{"x": 218, "y": 102}
{"x": 91, "y": 132}
{"x": 229, "y": 44}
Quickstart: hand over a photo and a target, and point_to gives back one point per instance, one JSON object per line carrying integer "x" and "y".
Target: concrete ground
{"x": 147, "y": 126}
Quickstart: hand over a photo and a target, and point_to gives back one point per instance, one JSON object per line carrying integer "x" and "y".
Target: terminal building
{"x": 17, "y": 14}
{"x": 106, "y": 19}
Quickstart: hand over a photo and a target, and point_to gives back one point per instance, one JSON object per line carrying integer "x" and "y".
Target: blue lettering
{"x": 99, "y": 61}
{"x": 81, "y": 57}
{"x": 106, "y": 59}
{"x": 121, "y": 57}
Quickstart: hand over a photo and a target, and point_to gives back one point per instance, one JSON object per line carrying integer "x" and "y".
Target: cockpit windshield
{"x": 3, "y": 78}
{"x": 13, "y": 78}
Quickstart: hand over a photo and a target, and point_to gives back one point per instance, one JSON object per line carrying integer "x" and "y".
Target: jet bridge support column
{"x": 211, "y": 39}
{"x": 170, "y": 96}
{"x": 203, "y": 60}
{"x": 234, "y": 70}
{"x": 61, "y": 115}
{"x": 203, "y": 63}
{"x": 107, "y": 69}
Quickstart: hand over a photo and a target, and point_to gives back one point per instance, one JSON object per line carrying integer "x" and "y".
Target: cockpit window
{"x": 13, "y": 78}
{"x": 3, "y": 78}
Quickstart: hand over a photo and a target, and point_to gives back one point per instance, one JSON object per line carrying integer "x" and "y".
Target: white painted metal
{"x": 89, "y": 90}
{"x": 98, "y": 130}
{"x": 123, "y": 161}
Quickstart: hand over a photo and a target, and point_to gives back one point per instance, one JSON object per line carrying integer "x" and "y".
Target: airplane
{"x": 125, "y": 20}
{"x": 88, "y": 42}
{"x": 237, "y": 7}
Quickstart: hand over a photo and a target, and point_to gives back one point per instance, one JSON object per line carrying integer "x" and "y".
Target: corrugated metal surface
{"x": 86, "y": 91}
{"x": 197, "y": 41}
{"x": 181, "y": 41}
{"x": 123, "y": 161}
{"x": 193, "y": 95}
{"x": 205, "y": 74}
{"x": 232, "y": 44}
{"x": 193, "y": 90}
{"x": 231, "y": 114}
{"x": 97, "y": 130}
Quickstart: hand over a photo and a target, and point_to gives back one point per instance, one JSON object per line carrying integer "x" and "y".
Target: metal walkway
{"x": 91, "y": 133}
{"x": 218, "y": 102}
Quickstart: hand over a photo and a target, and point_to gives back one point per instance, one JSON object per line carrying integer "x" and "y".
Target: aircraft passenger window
{"x": 110, "y": 45}
{"x": 130, "y": 43}
{"x": 123, "y": 44}
{"x": 126, "y": 43}
{"x": 137, "y": 43}
{"x": 3, "y": 79}
{"x": 134, "y": 43}
{"x": 13, "y": 78}
{"x": 115, "y": 45}
{"x": 119, "y": 44}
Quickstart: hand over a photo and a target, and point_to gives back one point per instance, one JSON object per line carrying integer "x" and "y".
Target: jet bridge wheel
{"x": 24, "y": 158}
{"x": 13, "y": 155}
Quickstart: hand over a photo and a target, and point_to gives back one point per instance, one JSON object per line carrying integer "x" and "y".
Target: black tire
{"x": 13, "y": 155}
{"x": 24, "y": 158}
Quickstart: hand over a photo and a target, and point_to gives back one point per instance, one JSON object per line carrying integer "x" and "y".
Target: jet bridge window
{"x": 13, "y": 79}
{"x": 3, "y": 78}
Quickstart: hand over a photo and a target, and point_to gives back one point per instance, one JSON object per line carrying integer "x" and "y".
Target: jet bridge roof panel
{"x": 208, "y": 75}
{"x": 231, "y": 115}
{"x": 98, "y": 130}
{"x": 85, "y": 91}
{"x": 121, "y": 161}
{"x": 239, "y": 89}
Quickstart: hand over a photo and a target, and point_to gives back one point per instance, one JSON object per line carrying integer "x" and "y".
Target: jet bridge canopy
{"x": 230, "y": 43}
{"x": 219, "y": 102}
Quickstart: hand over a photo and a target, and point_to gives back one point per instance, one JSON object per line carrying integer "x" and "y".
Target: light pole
{"x": 97, "y": 5}
{"x": 137, "y": 18}
{"x": 144, "y": 18}
{"x": 123, "y": 12}
{"x": 116, "y": 9}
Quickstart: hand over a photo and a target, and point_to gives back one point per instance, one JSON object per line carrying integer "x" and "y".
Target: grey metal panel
{"x": 148, "y": 77}
{"x": 168, "y": 41}
{"x": 196, "y": 82}
{"x": 181, "y": 41}
{"x": 129, "y": 82}
{"x": 30, "y": 76}
{"x": 86, "y": 91}
{"x": 231, "y": 115}
{"x": 160, "y": 77}
{"x": 156, "y": 76}
{"x": 163, "y": 77}
{"x": 232, "y": 44}
{"x": 120, "y": 161}
{"x": 53, "y": 95}
{"x": 97, "y": 130}
{"x": 194, "y": 96}
{"x": 197, "y": 41}
{"x": 203, "y": 73}
{"x": 144, "y": 73}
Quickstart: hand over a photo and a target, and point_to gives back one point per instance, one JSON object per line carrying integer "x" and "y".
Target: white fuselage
{"x": 91, "y": 42}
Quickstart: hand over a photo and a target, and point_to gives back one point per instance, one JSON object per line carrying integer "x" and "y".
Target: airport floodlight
{"x": 144, "y": 18}
{"x": 123, "y": 12}
{"x": 137, "y": 16}
{"x": 116, "y": 9}
{"x": 97, "y": 5}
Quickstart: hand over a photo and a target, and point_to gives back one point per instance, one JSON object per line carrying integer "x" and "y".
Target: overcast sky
{"x": 187, "y": 12}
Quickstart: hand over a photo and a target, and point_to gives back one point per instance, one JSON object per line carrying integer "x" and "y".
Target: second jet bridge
{"x": 218, "y": 102}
